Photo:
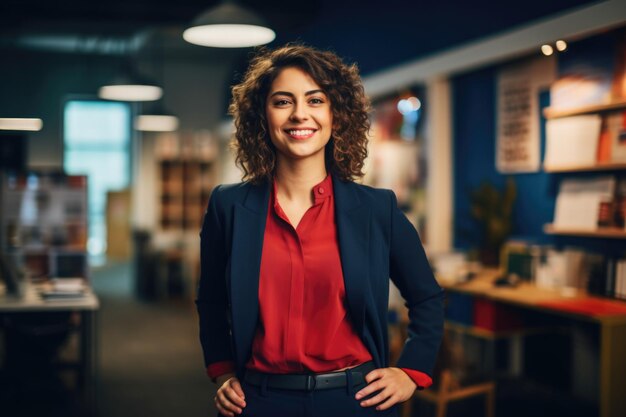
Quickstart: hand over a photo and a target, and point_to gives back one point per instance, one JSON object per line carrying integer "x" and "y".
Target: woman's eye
{"x": 316, "y": 101}
{"x": 281, "y": 102}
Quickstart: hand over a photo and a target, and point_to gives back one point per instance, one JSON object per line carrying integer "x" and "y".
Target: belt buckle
{"x": 311, "y": 382}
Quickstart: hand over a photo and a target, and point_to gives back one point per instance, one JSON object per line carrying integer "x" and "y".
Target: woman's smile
{"x": 301, "y": 133}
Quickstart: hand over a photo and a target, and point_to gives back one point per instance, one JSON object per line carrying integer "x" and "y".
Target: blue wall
{"x": 474, "y": 143}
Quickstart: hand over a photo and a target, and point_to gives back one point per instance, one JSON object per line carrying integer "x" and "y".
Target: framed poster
{"x": 518, "y": 114}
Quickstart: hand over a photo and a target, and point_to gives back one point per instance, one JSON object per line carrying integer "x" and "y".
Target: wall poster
{"x": 518, "y": 114}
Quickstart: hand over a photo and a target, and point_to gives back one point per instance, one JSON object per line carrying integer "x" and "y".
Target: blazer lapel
{"x": 246, "y": 251}
{"x": 353, "y": 228}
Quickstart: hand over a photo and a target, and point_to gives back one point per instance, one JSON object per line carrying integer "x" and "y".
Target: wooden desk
{"x": 87, "y": 307}
{"x": 609, "y": 315}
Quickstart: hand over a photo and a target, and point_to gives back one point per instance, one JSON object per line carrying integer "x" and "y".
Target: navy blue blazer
{"x": 376, "y": 242}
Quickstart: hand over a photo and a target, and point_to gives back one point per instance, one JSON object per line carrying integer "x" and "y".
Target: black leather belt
{"x": 310, "y": 382}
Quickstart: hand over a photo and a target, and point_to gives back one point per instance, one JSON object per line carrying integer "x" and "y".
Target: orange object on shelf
{"x": 604, "y": 143}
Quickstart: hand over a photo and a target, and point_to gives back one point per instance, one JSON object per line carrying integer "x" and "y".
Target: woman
{"x": 296, "y": 260}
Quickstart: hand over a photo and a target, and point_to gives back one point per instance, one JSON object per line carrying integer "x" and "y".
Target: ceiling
{"x": 377, "y": 34}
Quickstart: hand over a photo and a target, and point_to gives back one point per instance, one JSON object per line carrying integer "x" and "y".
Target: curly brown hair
{"x": 347, "y": 148}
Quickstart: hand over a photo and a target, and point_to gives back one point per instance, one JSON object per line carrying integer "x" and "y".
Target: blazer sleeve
{"x": 411, "y": 273}
{"x": 212, "y": 295}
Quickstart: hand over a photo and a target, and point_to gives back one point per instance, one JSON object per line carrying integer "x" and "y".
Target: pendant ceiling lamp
{"x": 229, "y": 25}
{"x": 156, "y": 119}
{"x": 129, "y": 86}
{"x": 21, "y": 123}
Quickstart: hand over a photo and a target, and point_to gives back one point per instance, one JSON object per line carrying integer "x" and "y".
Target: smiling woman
{"x": 299, "y": 118}
{"x": 296, "y": 261}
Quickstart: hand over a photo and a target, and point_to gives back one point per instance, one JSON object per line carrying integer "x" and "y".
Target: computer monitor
{"x": 9, "y": 273}
{"x": 68, "y": 264}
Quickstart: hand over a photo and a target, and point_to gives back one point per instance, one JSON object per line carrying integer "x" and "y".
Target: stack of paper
{"x": 64, "y": 288}
{"x": 578, "y": 202}
{"x": 572, "y": 141}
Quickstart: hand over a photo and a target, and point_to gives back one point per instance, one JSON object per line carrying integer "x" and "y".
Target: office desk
{"x": 87, "y": 307}
{"x": 609, "y": 315}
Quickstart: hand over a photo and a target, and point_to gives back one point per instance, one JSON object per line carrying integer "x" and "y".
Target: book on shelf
{"x": 579, "y": 200}
{"x": 616, "y": 133}
{"x": 612, "y": 140}
{"x": 568, "y": 268}
{"x": 607, "y": 278}
{"x": 572, "y": 141}
{"x": 584, "y": 86}
{"x": 619, "y": 287}
{"x": 610, "y": 278}
{"x": 604, "y": 154}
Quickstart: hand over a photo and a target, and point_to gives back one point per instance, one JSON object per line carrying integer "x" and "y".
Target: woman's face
{"x": 298, "y": 115}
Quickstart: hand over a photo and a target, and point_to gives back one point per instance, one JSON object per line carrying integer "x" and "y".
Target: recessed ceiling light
{"x": 547, "y": 50}
{"x": 18, "y": 123}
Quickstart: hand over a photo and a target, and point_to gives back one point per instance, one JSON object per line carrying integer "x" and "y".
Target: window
{"x": 97, "y": 143}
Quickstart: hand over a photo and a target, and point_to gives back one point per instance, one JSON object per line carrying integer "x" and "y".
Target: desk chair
{"x": 447, "y": 386}
{"x": 450, "y": 390}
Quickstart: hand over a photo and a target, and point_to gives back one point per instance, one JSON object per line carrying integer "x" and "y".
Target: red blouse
{"x": 304, "y": 325}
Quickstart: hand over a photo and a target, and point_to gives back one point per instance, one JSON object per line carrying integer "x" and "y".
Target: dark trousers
{"x": 262, "y": 401}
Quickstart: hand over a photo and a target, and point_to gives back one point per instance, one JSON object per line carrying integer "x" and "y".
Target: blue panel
{"x": 474, "y": 102}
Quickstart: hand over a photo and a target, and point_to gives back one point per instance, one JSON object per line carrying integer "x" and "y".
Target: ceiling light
{"x": 30, "y": 124}
{"x": 156, "y": 123}
{"x": 156, "y": 120}
{"x": 547, "y": 50}
{"x": 229, "y": 26}
{"x": 561, "y": 45}
{"x": 130, "y": 87}
{"x": 408, "y": 105}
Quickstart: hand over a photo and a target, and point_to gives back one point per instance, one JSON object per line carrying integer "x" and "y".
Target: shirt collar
{"x": 321, "y": 191}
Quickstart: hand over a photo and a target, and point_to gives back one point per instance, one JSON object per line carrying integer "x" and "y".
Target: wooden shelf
{"x": 604, "y": 232}
{"x": 601, "y": 166}
{"x": 550, "y": 113}
{"x": 184, "y": 183}
{"x": 470, "y": 330}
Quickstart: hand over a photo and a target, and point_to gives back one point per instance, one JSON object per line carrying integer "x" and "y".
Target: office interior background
{"x": 500, "y": 127}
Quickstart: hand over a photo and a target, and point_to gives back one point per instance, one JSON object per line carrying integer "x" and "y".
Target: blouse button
{"x": 320, "y": 190}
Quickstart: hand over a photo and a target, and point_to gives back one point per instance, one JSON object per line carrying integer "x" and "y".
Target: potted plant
{"x": 492, "y": 209}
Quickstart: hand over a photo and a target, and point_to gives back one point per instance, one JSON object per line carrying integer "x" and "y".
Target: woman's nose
{"x": 299, "y": 112}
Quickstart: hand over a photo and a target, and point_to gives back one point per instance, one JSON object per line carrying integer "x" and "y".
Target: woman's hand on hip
{"x": 394, "y": 384}
{"x": 230, "y": 399}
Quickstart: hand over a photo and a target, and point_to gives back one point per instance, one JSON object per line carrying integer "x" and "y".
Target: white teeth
{"x": 300, "y": 132}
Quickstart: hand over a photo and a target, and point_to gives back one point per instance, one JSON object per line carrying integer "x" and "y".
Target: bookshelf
{"x": 185, "y": 172}
{"x": 610, "y": 232}
{"x": 185, "y": 185}
{"x": 552, "y": 113}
